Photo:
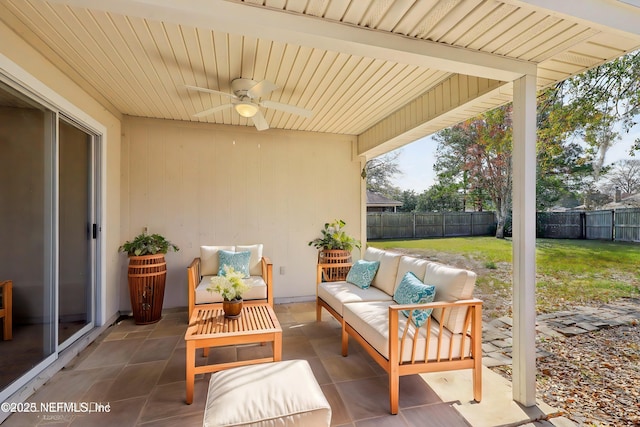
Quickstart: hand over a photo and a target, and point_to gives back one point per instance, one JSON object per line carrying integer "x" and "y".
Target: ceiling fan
{"x": 246, "y": 100}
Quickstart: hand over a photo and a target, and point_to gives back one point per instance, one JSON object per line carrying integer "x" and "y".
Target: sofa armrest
{"x": 472, "y": 327}
{"x": 267, "y": 276}
{"x": 324, "y": 271}
{"x": 193, "y": 279}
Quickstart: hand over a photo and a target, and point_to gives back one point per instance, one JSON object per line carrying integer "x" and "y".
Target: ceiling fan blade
{"x": 260, "y": 89}
{"x": 287, "y": 108}
{"x": 259, "y": 121}
{"x": 212, "y": 110}
{"x": 203, "y": 89}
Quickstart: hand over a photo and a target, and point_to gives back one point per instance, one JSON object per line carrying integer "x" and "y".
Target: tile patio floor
{"x": 139, "y": 370}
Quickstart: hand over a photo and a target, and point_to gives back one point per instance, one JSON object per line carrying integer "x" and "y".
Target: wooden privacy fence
{"x": 388, "y": 225}
{"x": 621, "y": 225}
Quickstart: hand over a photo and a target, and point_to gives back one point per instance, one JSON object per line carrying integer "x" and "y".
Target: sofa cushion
{"x": 336, "y": 294}
{"x": 255, "y": 265}
{"x": 452, "y": 284}
{"x": 412, "y": 291}
{"x": 239, "y": 261}
{"x": 258, "y": 290}
{"x": 415, "y": 265}
{"x": 386, "y": 275}
{"x": 371, "y": 320}
{"x": 362, "y": 273}
{"x": 209, "y": 261}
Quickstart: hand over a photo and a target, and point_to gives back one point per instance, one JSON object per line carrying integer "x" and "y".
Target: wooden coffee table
{"x": 209, "y": 328}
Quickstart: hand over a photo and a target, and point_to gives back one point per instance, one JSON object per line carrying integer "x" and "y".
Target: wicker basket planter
{"x": 334, "y": 256}
{"x": 147, "y": 276}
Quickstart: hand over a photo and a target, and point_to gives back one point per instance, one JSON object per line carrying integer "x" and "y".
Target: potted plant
{"x": 335, "y": 247}
{"x": 147, "y": 275}
{"x": 231, "y": 287}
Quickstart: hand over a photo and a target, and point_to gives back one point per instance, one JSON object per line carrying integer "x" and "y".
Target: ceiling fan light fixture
{"x": 246, "y": 109}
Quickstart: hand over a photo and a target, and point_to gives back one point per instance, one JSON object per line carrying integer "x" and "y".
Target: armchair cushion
{"x": 258, "y": 290}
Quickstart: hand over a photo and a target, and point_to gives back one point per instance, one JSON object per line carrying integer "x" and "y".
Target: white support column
{"x": 524, "y": 240}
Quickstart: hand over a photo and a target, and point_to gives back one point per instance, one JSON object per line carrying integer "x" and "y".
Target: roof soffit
{"x": 298, "y": 29}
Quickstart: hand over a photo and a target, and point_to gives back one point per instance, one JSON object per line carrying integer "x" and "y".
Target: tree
{"x": 488, "y": 160}
{"x": 603, "y": 97}
{"x": 563, "y": 167}
{"x": 625, "y": 177}
{"x": 439, "y": 198}
{"x": 379, "y": 172}
{"x": 409, "y": 200}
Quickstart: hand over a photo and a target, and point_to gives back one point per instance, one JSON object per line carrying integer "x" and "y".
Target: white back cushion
{"x": 452, "y": 284}
{"x": 386, "y": 275}
{"x": 209, "y": 259}
{"x": 255, "y": 267}
{"x": 410, "y": 264}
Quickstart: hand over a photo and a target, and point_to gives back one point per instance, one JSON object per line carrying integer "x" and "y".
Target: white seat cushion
{"x": 258, "y": 290}
{"x": 336, "y": 294}
{"x": 283, "y": 394}
{"x": 371, "y": 320}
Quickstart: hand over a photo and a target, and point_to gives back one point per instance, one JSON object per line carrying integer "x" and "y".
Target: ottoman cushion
{"x": 269, "y": 394}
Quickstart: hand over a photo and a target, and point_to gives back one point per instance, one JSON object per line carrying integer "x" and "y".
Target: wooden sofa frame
{"x": 418, "y": 363}
{"x": 194, "y": 277}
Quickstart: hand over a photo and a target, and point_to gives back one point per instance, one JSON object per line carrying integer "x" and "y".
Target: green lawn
{"x": 568, "y": 271}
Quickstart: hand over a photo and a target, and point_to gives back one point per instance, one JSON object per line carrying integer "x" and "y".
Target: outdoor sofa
{"x": 450, "y": 337}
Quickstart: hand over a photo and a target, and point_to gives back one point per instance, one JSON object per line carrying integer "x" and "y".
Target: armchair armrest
{"x": 193, "y": 279}
{"x": 267, "y": 276}
{"x": 6, "y": 309}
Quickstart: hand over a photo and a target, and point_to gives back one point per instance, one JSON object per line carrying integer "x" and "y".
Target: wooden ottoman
{"x": 270, "y": 394}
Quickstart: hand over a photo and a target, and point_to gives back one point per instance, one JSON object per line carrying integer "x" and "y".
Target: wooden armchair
{"x": 197, "y": 281}
{"x": 6, "y": 288}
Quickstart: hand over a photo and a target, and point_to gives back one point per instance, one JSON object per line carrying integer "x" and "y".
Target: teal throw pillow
{"x": 411, "y": 290}
{"x": 239, "y": 261}
{"x": 362, "y": 273}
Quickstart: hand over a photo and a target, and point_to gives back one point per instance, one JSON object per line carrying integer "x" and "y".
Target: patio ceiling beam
{"x": 297, "y": 29}
{"x": 617, "y": 16}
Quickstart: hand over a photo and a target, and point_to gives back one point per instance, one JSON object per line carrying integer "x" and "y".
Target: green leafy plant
{"x": 147, "y": 244}
{"x": 334, "y": 237}
{"x": 230, "y": 285}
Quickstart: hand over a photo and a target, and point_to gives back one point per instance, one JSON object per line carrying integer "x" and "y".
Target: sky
{"x": 416, "y": 161}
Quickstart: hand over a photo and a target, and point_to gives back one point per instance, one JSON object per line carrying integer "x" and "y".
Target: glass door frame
{"x": 94, "y": 190}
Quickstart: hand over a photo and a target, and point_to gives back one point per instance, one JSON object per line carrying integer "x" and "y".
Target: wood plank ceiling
{"x": 135, "y": 57}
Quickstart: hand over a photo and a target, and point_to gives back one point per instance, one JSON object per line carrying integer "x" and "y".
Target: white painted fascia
{"x": 615, "y": 16}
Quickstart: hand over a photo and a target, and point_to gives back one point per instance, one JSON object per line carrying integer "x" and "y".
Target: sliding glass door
{"x": 48, "y": 182}
{"x": 76, "y": 232}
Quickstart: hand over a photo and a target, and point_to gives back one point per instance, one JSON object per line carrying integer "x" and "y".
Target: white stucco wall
{"x": 22, "y": 65}
{"x": 202, "y": 184}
